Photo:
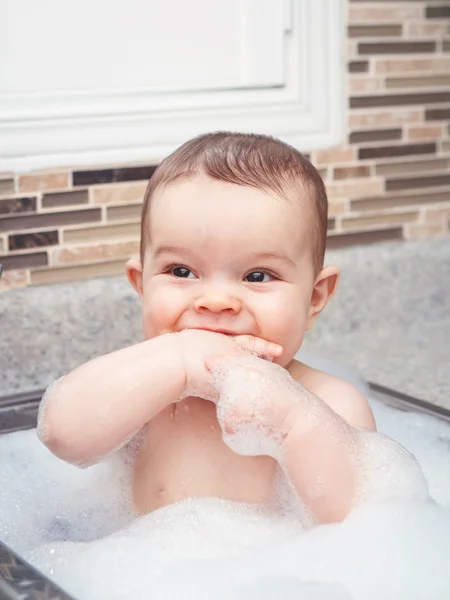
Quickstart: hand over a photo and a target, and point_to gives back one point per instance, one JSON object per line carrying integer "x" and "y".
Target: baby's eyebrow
{"x": 170, "y": 250}
{"x": 273, "y": 256}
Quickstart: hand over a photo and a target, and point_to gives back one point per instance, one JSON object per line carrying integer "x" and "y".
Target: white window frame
{"x": 309, "y": 111}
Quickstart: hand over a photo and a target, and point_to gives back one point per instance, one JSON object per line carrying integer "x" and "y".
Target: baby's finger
{"x": 213, "y": 361}
{"x": 258, "y": 346}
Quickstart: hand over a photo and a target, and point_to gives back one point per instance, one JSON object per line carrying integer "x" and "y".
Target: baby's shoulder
{"x": 340, "y": 395}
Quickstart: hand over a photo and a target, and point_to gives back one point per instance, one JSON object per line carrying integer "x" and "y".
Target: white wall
{"x": 95, "y": 81}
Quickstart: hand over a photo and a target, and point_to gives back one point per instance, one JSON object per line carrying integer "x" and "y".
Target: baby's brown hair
{"x": 258, "y": 161}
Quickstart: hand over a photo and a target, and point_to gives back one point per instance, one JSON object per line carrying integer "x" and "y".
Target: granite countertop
{"x": 390, "y": 319}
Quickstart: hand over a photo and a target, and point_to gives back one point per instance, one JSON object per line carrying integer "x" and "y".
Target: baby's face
{"x": 228, "y": 258}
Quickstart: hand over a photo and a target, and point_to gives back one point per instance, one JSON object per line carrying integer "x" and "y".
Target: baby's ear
{"x": 324, "y": 288}
{"x": 134, "y": 273}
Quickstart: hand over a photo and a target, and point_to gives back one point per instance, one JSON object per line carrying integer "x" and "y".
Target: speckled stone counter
{"x": 390, "y": 319}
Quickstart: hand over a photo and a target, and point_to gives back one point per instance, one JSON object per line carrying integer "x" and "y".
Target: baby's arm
{"x": 316, "y": 447}
{"x": 94, "y": 409}
{"x": 97, "y": 407}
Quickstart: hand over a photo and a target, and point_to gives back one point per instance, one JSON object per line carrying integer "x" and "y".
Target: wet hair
{"x": 259, "y": 161}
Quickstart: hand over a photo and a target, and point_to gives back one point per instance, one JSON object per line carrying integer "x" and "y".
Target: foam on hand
{"x": 78, "y": 526}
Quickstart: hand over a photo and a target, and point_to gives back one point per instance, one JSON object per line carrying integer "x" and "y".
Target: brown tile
{"x": 437, "y": 12}
{"x": 17, "y": 205}
{"x": 364, "y": 237}
{"x": 437, "y": 114}
{"x": 113, "y": 175}
{"x": 374, "y": 220}
{"x": 371, "y": 48}
{"x": 65, "y": 199}
{"x": 391, "y": 151}
{"x": 6, "y": 186}
{"x": 376, "y": 135}
{"x": 119, "y": 193}
{"x": 72, "y": 273}
{"x": 43, "y": 181}
{"x": 32, "y": 240}
{"x": 399, "y": 168}
{"x": 398, "y": 99}
{"x": 380, "y": 14}
{"x": 417, "y": 182}
{"x": 422, "y": 82}
{"x": 331, "y": 224}
{"x": 118, "y": 213}
{"x": 50, "y": 219}
{"x": 446, "y": 46}
{"x": 358, "y": 66}
{"x": 104, "y": 232}
{"x": 415, "y": 65}
{"x": 359, "y": 31}
{"x": 12, "y": 280}
{"x": 352, "y": 172}
{"x": 383, "y": 202}
{"x": 22, "y": 261}
{"x": 338, "y": 154}
{"x": 384, "y": 118}
{"x": 425, "y": 132}
{"x": 95, "y": 252}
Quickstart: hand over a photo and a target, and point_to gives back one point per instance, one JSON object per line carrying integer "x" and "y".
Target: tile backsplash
{"x": 389, "y": 180}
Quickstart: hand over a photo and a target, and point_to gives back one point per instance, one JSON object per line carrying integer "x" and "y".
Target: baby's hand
{"x": 199, "y": 346}
{"x": 255, "y": 400}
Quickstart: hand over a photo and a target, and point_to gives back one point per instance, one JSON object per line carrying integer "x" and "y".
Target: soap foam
{"x": 78, "y": 526}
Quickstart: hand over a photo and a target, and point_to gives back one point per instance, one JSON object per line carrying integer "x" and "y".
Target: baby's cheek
{"x": 160, "y": 316}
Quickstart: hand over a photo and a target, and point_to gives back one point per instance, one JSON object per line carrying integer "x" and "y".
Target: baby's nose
{"x": 217, "y": 300}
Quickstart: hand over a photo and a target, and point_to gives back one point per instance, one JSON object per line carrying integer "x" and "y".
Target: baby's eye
{"x": 182, "y": 272}
{"x": 258, "y": 277}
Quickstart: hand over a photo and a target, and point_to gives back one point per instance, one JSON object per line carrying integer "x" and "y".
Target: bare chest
{"x": 182, "y": 455}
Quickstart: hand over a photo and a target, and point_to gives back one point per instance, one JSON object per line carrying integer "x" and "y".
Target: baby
{"x": 231, "y": 277}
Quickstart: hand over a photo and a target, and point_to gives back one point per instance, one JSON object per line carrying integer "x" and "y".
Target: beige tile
{"x": 119, "y": 193}
{"x": 6, "y": 186}
{"x": 375, "y": 220}
{"x": 323, "y": 173}
{"x": 437, "y": 215}
{"x": 356, "y": 189}
{"x": 363, "y": 84}
{"x": 72, "y": 273}
{"x": 446, "y": 146}
{"x": 2, "y": 244}
{"x": 383, "y": 14}
{"x": 124, "y": 213}
{"x": 425, "y": 132}
{"x": 94, "y": 252}
{"x": 338, "y": 154}
{"x": 382, "y": 118}
{"x": 418, "y": 82}
{"x": 43, "y": 181}
{"x": 424, "y": 231}
{"x": 88, "y": 234}
{"x": 405, "y": 65}
{"x": 412, "y": 166}
{"x": 12, "y": 280}
{"x": 352, "y": 49}
{"x": 337, "y": 207}
{"x": 421, "y": 29}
